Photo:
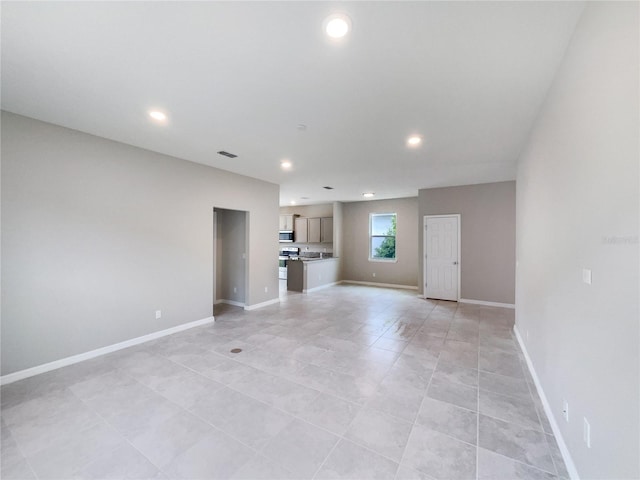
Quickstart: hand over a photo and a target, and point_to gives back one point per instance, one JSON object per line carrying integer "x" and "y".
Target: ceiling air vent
{"x": 227, "y": 154}
{"x": 328, "y": 188}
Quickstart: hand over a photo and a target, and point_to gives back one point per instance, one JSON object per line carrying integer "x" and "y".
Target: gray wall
{"x": 487, "y": 236}
{"x": 355, "y": 251}
{"x": 578, "y": 208}
{"x": 338, "y": 231}
{"x": 98, "y": 235}
{"x": 230, "y": 253}
{"x": 321, "y": 210}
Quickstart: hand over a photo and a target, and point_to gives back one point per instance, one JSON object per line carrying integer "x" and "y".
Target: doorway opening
{"x": 230, "y": 276}
{"x": 441, "y": 266}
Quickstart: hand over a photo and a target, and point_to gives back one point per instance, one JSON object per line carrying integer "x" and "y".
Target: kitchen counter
{"x": 312, "y": 273}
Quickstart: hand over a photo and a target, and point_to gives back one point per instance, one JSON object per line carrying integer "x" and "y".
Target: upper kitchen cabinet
{"x": 300, "y": 230}
{"x": 314, "y": 230}
{"x": 286, "y": 222}
{"x": 326, "y": 230}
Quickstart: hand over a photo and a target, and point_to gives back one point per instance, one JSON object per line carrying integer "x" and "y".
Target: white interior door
{"x": 442, "y": 258}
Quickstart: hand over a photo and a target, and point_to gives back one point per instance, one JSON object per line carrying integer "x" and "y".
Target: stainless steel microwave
{"x": 286, "y": 235}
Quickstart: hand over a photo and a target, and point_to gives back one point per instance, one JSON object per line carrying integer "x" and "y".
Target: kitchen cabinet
{"x": 300, "y": 230}
{"x": 286, "y": 222}
{"x": 314, "y": 230}
{"x": 326, "y": 230}
{"x": 306, "y": 276}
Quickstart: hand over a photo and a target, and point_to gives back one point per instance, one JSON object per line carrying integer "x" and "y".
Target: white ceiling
{"x": 240, "y": 76}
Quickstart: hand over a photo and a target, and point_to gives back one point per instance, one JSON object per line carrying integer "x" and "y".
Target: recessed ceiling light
{"x": 337, "y": 26}
{"x": 414, "y": 140}
{"x": 158, "y": 115}
{"x": 292, "y": 202}
{"x": 285, "y": 164}
{"x": 368, "y": 194}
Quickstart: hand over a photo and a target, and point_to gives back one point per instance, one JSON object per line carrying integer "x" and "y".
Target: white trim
{"x": 424, "y": 258}
{"x": 488, "y": 304}
{"x": 320, "y": 287}
{"x": 566, "y": 456}
{"x": 263, "y": 304}
{"x": 375, "y": 284}
{"x": 230, "y": 302}
{"x": 63, "y": 362}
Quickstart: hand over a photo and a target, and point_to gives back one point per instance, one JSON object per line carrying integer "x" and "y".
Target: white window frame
{"x": 369, "y": 236}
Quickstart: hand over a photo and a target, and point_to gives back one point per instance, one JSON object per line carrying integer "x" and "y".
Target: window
{"x": 382, "y": 237}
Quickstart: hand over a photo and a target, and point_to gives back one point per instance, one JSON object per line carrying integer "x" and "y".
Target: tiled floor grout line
{"x": 22, "y": 453}
{"x": 115, "y": 429}
{"x": 195, "y": 415}
{"x": 325, "y": 391}
{"x": 533, "y": 392}
{"x": 181, "y": 408}
{"x": 319, "y": 469}
{"x": 340, "y": 437}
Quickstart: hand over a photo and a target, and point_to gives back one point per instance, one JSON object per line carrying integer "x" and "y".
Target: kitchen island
{"x": 308, "y": 274}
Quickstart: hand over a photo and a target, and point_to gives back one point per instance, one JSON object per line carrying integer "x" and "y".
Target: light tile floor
{"x": 347, "y": 382}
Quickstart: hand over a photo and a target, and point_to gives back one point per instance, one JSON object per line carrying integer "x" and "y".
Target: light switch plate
{"x": 586, "y": 276}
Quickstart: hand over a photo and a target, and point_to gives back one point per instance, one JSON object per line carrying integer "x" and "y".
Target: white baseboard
{"x": 63, "y": 362}
{"x": 263, "y": 304}
{"x": 566, "y": 456}
{"x": 229, "y": 302}
{"x": 320, "y": 287}
{"x": 385, "y": 285}
{"x": 487, "y": 304}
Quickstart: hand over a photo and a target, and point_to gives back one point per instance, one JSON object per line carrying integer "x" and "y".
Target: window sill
{"x": 384, "y": 260}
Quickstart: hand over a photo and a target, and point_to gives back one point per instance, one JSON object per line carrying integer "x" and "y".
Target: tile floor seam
{"x": 528, "y": 465}
{"x": 184, "y": 410}
{"x": 421, "y": 403}
{"x": 532, "y": 393}
{"x": 511, "y": 422}
{"x": 326, "y": 458}
{"x": 553, "y": 459}
{"x": 78, "y": 470}
{"x": 334, "y": 393}
{"x": 24, "y": 457}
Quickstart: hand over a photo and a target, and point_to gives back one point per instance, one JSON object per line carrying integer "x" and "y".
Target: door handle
{"x": 455, "y": 263}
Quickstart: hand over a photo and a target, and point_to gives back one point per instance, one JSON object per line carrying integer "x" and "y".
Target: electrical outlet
{"x": 586, "y": 276}
{"x": 235, "y": 290}
{"x": 565, "y": 410}
{"x": 586, "y": 432}
{"x": 158, "y": 314}
{"x": 374, "y": 274}
{"x": 266, "y": 289}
